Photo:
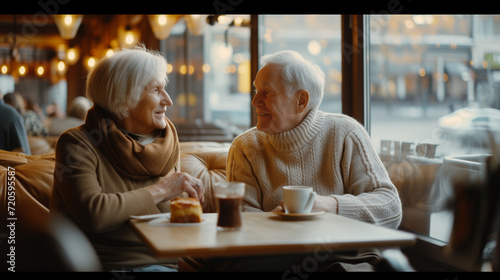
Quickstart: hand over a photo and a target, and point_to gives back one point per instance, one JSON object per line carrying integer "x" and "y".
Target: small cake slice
{"x": 185, "y": 210}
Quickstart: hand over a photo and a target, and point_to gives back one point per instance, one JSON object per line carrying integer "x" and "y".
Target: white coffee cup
{"x": 298, "y": 199}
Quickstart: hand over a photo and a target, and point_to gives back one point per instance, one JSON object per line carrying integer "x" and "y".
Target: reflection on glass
{"x": 226, "y": 90}
{"x": 316, "y": 38}
{"x": 210, "y": 75}
{"x": 434, "y": 87}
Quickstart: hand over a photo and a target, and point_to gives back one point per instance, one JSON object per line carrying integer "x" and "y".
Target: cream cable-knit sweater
{"x": 330, "y": 152}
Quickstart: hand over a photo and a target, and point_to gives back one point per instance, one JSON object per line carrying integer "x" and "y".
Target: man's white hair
{"x": 298, "y": 74}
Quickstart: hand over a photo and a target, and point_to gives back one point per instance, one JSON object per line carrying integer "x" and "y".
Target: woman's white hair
{"x": 117, "y": 82}
{"x": 298, "y": 73}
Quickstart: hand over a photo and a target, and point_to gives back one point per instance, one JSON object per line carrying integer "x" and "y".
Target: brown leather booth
{"x": 26, "y": 184}
{"x": 33, "y": 175}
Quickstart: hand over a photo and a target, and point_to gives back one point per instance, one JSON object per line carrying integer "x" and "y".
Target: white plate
{"x": 149, "y": 217}
{"x": 165, "y": 221}
{"x": 297, "y": 216}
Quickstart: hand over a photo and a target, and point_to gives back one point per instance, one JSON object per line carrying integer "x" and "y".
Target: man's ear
{"x": 302, "y": 100}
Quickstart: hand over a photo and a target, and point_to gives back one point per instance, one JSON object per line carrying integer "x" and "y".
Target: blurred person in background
{"x": 35, "y": 107}
{"x": 52, "y": 112}
{"x": 13, "y": 135}
{"x": 75, "y": 116}
{"x": 33, "y": 124}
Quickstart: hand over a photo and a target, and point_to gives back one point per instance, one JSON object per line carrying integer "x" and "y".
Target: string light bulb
{"x": 109, "y": 52}
{"x": 72, "y": 55}
{"x": 90, "y": 62}
{"x": 128, "y": 36}
{"x": 61, "y": 67}
{"x": 22, "y": 70}
{"x": 4, "y": 69}
{"x": 40, "y": 70}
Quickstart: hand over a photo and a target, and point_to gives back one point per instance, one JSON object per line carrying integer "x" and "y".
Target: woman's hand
{"x": 179, "y": 182}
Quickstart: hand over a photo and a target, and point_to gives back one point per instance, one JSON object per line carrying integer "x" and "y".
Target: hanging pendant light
{"x": 5, "y": 65}
{"x": 39, "y": 69}
{"x": 162, "y": 24}
{"x": 195, "y": 23}
{"x": 68, "y": 25}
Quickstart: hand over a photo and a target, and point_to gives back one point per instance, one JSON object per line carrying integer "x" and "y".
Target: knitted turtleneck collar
{"x": 300, "y": 135}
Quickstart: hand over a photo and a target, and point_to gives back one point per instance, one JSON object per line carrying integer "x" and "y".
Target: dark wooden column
{"x": 354, "y": 68}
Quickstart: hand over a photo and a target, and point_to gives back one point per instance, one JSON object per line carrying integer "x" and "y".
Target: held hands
{"x": 179, "y": 182}
{"x": 321, "y": 203}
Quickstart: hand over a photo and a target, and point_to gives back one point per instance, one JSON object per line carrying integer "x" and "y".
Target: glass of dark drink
{"x": 229, "y": 196}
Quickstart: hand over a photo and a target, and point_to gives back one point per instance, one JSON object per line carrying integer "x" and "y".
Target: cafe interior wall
{"x": 93, "y": 37}
{"x": 93, "y": 41}
{"x": 183, "y": 48}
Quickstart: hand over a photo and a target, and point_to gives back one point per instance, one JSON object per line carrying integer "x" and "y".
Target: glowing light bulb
{"x": 61, "y": 66}
{"x": 22, "y": 70}
{"x": 162, "y": 19}
{"x": 91, "y": 62}
{"x": 109, "y": 52}
{"x": 40, "y": 70}
{"x": 129, "y": 38}
{"x": 68, "y": 20}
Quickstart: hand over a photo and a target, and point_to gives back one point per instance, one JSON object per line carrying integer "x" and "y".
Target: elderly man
{"x": 294, "y": 143}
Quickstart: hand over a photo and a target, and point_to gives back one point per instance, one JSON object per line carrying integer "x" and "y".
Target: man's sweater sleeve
{"x": 239, "y": 169}
{"x": 370, "y": 194}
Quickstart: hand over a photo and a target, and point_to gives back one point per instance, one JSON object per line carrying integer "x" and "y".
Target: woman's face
{"x": 149, "y": 114}
{"x": 276, "y": 111}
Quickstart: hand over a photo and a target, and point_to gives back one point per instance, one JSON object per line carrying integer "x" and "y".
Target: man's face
{"x": 276, "y": 111}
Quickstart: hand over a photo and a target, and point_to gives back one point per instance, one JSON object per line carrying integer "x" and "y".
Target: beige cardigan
{"x": 330, "y": 152}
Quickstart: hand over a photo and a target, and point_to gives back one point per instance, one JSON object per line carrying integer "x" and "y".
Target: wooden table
{"x": 266, "y": 233}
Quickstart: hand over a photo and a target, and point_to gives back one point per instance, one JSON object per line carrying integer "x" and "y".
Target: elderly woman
{"x": 294, "y": 143}
{"x": 124, "y": 160}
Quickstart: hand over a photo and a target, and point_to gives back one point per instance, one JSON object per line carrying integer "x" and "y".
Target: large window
{"x": 434, "y": 85}
{"x": 210, "y": 79}
{"x": 317, "y": 38}
{"x": 227, "y": 80}
{"x": 210, "y": 74}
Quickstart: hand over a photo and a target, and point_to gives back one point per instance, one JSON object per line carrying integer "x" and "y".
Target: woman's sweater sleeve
{"x": 77, "y": 186}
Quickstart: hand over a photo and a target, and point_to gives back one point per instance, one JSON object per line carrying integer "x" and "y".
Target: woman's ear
{"x": 302, "y": 100}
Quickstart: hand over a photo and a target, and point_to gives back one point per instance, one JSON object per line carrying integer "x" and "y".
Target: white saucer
{"x": 149, "y": 217}
{"x": 297, "y": 216}
{"x": 165, "y": 221}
